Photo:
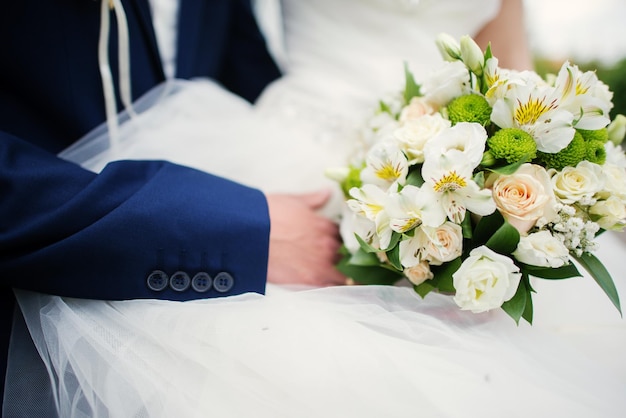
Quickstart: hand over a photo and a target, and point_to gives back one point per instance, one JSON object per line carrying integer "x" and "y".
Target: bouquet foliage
{"x": 480, "y": 177}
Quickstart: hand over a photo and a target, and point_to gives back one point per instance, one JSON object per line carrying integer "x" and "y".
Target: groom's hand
{"x": 303, "y": 244}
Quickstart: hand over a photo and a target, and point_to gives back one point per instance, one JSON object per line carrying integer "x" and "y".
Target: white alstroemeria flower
{"x": 413, "y": 135}
{"x": 450, "y": 81}
{"x": 450, "y": 159}
{"x": 536, "y": 110}
{"x": 499, "y": 79}
{"x": 411, "y": 207}
{"x": 385, "y": 165}
{"x": 352, "y": 224}
{"x": 485, "y": 280}
{"x": 371, "y": 201}
{"x": 541, "y": 249}
{"x": 585, "y": 96}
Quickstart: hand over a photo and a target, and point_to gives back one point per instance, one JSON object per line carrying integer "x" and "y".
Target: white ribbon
{"x": 108, "y": 86}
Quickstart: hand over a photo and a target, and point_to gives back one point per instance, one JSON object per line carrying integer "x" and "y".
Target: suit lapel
{"x": 189, "y": 28}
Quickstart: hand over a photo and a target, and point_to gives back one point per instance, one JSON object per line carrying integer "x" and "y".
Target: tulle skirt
{"x": 353, "y": 351}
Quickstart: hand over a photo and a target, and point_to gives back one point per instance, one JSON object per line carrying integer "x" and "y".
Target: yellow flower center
{"x": 388, "y": 172}
{"x": 581, "y": 89}
{"x": 528, "y": 113}
{"x": 450, "y": 182}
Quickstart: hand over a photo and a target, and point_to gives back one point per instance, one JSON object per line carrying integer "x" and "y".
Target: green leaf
{"x": 600, "y": 274}
{"x": 516, "y": 306}
{"x": 504, "y": 240}
{"x": 363, "y": 258}
{"x": 510, "y": 168}
{"x": 466, "y": 226}
{"x": 528, "y": 310}
{"x": 393, "y": 256}
{"x": 365, "y": 246}
{"x": 486, "y": 227}
{"x": 443, "y": 275}
{"x": 415, "y": 176}
{"x": 411, "y": 89}
{"x": 488, "y": 53}
{"x": 565, "y": 272}
{"x": 368, "y": 275}
{"x": 424, "y": 288}
{"x": 384, "y": 107}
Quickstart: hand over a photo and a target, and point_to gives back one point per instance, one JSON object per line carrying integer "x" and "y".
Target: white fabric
{"x": 165, "y": 23}
{"x": 335, "y": 352}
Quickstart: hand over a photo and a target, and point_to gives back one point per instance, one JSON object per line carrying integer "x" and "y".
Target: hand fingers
{"x": 315, "y": 200}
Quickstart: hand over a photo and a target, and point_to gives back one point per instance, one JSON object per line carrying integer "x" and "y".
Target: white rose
{"x": 419, "y": 273}
{"x": 573, "y": 184}
{"x": 524, "y": 196}
{"x": 615, "y": 155}
{"x": 541, "y": 249}
{"x": 612, "y": 212}
{"x": 614, "y": 181}
{"x": 415, "y": 133}
{"x": 485, "y": 280}
{"x": 450, "y": 81}
{"x": 417, "y": 107}
{"x": 441, "y": 244}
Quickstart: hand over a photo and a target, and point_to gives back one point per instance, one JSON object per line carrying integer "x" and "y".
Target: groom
{"x": 148, "y": 229}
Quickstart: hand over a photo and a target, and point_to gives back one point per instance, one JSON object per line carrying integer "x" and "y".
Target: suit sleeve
{"x": 139, "y": 229}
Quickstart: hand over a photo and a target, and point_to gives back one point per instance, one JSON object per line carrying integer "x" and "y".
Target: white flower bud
{"x": 472, "y": 55}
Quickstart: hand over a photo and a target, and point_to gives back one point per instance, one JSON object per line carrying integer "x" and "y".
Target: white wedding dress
{"x": 356, "y": 351}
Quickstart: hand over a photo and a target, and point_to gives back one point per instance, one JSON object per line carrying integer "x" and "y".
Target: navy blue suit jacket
{"x": 67, "y": 231}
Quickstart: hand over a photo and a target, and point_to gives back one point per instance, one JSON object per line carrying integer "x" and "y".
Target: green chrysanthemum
{"x": 601, "y": 135}
{"x": 571, "y": 155}
{"x": 512, "y": 144}
{"x": 596, "y": 153}
{"x": 469, "y": 108}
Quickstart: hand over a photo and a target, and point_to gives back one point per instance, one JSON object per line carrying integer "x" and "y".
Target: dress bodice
{"x": 367, "y": 41}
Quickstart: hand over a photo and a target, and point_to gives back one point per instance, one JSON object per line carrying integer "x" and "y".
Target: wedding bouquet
{"x": 480, "y": 178}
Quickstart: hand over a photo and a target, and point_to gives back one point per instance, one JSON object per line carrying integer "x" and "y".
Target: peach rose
{"x": 524, "y": 196}
{"x": 419, "y": 273}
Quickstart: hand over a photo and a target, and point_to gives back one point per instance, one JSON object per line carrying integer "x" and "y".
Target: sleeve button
{"x": 223, "y": 282}
{"x": 157, "y": 280}
{"x": 201, "y": 282}
{"x": 180, "y": 281}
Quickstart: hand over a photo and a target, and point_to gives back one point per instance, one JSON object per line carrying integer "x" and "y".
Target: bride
{"x": 302, "y": 352}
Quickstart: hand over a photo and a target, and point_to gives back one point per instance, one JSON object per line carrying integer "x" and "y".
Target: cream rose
{"x": 574, "y": 184}
{"x": 541, "y": 249}
{"x": 415, "y": 133}
{"x": 524, "y": 196}
{"x": 441, "y": 244}
{"x": 614, "y": 182}
{"x": 485, "y": 280}
{"x": 419, "y": 273}
{"x": 611, "y": 212}
{"x": 417, "y": 107}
